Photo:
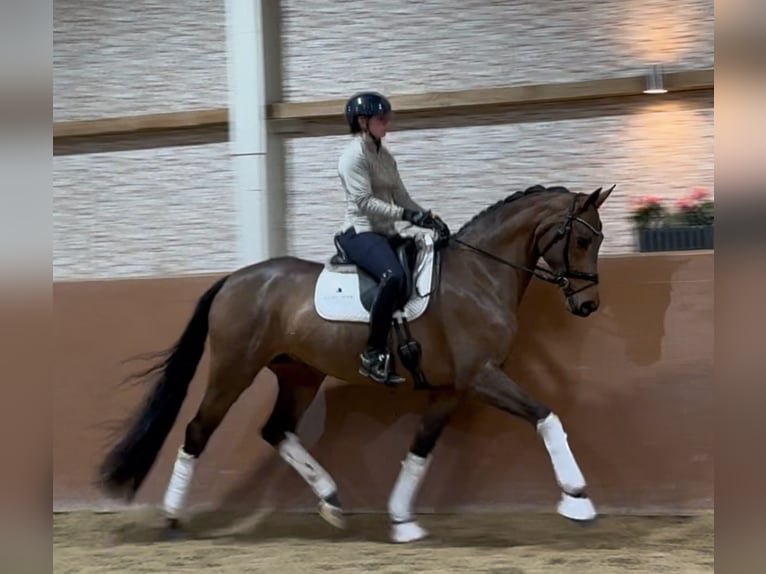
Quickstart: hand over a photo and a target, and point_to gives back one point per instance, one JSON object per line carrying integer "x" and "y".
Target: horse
{"x": 266, "y": 315}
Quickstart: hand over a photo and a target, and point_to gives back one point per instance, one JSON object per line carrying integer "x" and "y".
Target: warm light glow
{"x": 656, "y": 35}
{"x": 669, "y": 137}
{"x": 654, "y": 81}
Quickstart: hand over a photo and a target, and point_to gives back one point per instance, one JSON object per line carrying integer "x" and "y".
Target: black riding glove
{"x": 418, "y": 218}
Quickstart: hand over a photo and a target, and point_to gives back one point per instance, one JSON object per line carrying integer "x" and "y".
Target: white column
{"x": 254, "y": 79}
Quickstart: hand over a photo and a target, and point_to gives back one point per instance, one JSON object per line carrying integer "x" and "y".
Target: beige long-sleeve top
{"x": 375, "y": 194}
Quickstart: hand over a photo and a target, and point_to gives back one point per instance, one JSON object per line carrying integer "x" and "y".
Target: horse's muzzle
{"x": 587, "y": 308}
{"x": 584, "y": 309}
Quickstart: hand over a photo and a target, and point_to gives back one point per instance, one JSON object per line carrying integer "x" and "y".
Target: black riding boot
{"x": 376, "y": 365}
{"x": 376, "y": 359}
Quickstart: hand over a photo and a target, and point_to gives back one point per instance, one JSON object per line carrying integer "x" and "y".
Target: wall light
{"x": 654, "y": 81}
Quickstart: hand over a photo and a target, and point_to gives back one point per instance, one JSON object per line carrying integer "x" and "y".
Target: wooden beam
{"x": 489, "y": 116}
{"x": 475, "y": 100}
{"x": 131, "y": 125}
{"x": 410, "y": 105}
{"x": 205, "y": 135}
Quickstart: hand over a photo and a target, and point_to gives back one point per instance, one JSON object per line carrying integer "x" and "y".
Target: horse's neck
{"x": 510, "y": 235}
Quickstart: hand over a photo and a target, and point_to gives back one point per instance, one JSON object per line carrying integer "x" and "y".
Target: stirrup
{"x": 372, "y": 368}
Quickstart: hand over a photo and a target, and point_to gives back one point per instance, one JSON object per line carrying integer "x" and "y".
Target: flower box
{"x": 688, "y": 227}
{"x": 675, "y": 238}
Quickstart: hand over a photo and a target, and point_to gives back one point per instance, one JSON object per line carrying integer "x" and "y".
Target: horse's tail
{"x": 125, "y": 467}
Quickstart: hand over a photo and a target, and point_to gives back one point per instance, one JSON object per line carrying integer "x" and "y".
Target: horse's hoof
{"x": 404, "y": 532}
{"x": 584, "y": 523}
{"x": 174, "y": 530}
{"x": 579, "y": 509}
{"x": 330, "y": 509}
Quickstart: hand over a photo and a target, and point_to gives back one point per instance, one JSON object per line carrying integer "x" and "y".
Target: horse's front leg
{"x": 499, "y": 390}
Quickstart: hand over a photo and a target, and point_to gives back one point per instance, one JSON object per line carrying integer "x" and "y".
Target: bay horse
{"x": 265, "y": 316}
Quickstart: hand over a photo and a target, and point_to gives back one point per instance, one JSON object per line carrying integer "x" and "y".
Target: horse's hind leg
{"x": 227, "y": 379}
{"x": 298, "y": 384}
{"x": 404, "y": 527}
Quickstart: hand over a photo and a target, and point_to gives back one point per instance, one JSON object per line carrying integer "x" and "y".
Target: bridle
{"x": 562, "y": 278}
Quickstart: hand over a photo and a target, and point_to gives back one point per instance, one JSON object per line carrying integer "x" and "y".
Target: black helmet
{"x": 365, "y": 104}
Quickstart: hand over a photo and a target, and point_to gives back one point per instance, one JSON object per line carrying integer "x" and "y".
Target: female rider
{"x": 375, "y": 199}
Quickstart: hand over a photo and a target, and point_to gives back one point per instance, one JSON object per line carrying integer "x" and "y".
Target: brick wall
{"x": 113, "y": 58}
{"x": 163, "y": 211}
{"x": 661, "y": 146}
{"x": 171, "y": 211}
{"x": 166, "y": 211}
{"x": 332, "y": 48}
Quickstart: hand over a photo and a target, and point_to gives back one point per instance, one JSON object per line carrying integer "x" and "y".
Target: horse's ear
{"x": 603, "y": 195}
{"x": 592, "y": 199}
{"x": 597, "y": 198}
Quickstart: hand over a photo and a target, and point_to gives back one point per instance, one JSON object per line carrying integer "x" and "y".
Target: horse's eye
{"x": 583, "y": 242}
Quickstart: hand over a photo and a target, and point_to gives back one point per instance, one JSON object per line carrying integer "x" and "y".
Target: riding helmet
{"x": 365, "y": 104}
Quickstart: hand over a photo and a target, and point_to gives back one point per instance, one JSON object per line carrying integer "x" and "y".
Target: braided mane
{"x": 511, "y": 198}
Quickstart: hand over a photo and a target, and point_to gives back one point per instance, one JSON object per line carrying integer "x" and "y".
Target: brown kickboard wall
{"x": 633, "y": 385}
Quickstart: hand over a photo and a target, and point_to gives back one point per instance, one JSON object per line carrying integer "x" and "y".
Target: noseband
{"x": 565, "y": 232}
{"x": 562, "y": 278}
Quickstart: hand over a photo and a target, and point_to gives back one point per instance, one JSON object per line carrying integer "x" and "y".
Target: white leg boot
{"x": 404, "y": 527}
{"x": 320, "y": 481}
{"x": 178, "y": 487}
{"x": 574, "y": 504}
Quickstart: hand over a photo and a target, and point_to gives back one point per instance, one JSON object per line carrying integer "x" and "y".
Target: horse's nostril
{"x": 588, "y": 307}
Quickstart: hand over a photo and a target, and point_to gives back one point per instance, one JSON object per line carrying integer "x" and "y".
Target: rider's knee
{"x": 393, "y": 279}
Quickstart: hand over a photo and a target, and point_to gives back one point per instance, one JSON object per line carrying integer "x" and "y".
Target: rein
{"x": 560, "y": 279}
{"x": 539, "y": 272}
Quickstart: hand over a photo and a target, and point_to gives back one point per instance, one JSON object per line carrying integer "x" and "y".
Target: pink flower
{"x": 646, "y": 201}
{"x": 685, "y": 203}
{"x": 700, "y": 194}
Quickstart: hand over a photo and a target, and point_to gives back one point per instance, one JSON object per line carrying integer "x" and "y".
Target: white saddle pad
{"x": 337, "y": 298}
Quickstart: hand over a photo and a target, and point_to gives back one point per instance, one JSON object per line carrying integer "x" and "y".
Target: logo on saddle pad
{"x": 343, "y": 292}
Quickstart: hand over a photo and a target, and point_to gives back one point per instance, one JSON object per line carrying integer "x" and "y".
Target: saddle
{"x": 406, "y": 250}
{"x": 345, "y": 292}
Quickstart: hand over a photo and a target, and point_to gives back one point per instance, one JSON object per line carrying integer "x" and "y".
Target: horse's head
{"x": 569, "y": 241}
